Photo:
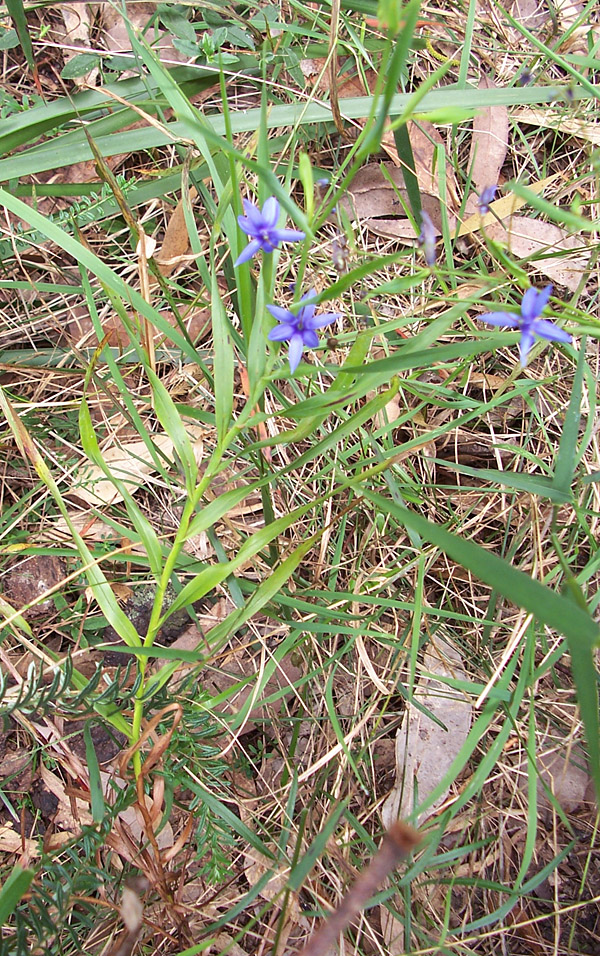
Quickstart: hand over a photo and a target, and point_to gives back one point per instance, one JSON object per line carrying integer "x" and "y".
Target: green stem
{"x": 192, "y": 503}
{"x": 155, "y": 617}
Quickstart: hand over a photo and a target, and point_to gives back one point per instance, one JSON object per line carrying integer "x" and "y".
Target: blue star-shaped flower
{"x": 299, "y": 328}
{"x": 261, "y": 226}
{"x": 529, "y": 321}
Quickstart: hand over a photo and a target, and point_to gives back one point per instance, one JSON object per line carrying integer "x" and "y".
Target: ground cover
{"x": 299, "y": 477}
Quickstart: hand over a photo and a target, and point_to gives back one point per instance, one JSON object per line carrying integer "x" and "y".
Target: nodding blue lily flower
{"x": 529, "y": 321}
{"x": 299, "y": 327}
{"x": 486, "y": 198}
{"x": 261, "y": 226}
{"x": 427, "y": 238}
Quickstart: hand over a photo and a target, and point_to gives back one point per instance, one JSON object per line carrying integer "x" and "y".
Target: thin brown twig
{"x": 397, "y": 843}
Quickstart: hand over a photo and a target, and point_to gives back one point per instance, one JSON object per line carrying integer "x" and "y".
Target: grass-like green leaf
{"x": 13, "y": 891}
{"x": 96, "y": 793}
{"x": 566, "y": 460}
{"x": 16, "y": 10}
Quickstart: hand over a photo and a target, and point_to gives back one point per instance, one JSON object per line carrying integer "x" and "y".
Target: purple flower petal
{"x": 320, "y": 321}
{"x": 310, "y": 338}
{"x": 305, "y": 315}
{"x": 253, "y": 214}
{"x": 529, "y": 305}
{"x": 289, "y": 235}
{"x": 525, "y": 345}
{"x": 550, "y": 331}
{"x": 532, "y": 305}
{"x": 508, "y": 319}
{"x": 543, "y": 297}
{"x": 246, "y": 226}
{"x": 295, "y": 351}
{"x": 281, "y": 333}
{"x": 427, "y": 237}
{"x": 534, "y": 302}
{"x": 299, "y": 327}
{"x": 261, "y": 226}
{"x": 250, "y": 250}
{"x": 282, "y": 315}
{"x": 270, "y": 212}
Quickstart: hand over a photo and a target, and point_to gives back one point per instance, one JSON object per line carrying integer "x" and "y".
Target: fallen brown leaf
{"x": 176, "y": 241}
{"x": 76, "y": 19}
{"x": 374, "y": 201}
{"x": 389, "y": 414}
{"x": 555, "y": 119}
{"x": 564, "y": 771}
{"x": 502, "y": 208}
{"x": 116, "y": 36}
{"x": 532, "y": 14}
{"x": 567, "y": 12}
{"x": 425, "y": 141}
{"x": 425, "y": 749}
{"x": 131, "y": 462}
{"x": 489, "y": 145}
{"x": 80, "y": 330}
{"x": 348, "y": 85}
{"x": 526, "y": 237}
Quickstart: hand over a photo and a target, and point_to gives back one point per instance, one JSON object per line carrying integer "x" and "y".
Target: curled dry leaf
{"x": 529, "y": 237}
{"x": 489, "y": 145}
{"x": 176, "y": 242}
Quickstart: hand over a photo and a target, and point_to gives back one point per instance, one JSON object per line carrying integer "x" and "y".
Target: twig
{"x": 397, "y": 843}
